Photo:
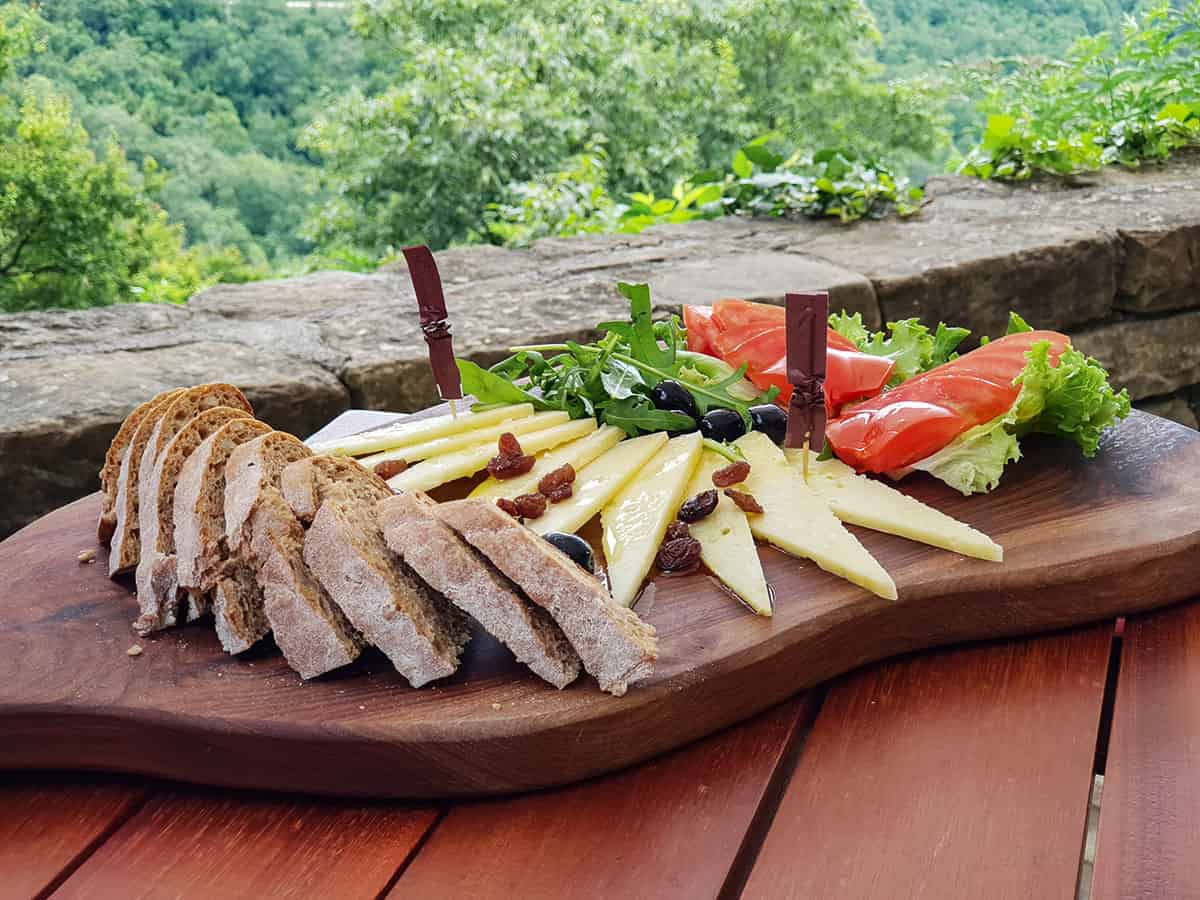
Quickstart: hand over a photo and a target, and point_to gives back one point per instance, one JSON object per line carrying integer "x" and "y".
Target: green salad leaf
{"x": 908, "y": 343}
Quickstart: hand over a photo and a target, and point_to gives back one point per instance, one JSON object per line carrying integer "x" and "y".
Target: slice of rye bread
{"x": 417, "y": 629}
{"x": 184, "y": 407}
{"x": 157, "y": 584}
{"x": 125, "y": 511}
{"x": 616, "y": 647}
{"x": 461, "y": 574}
{"x": 111, "y": 470}
{"x": 237, "y": 600}
{"x": 312, "y": 632}
{"x": 251, "y": 467}
{"x": 198, "y": 514}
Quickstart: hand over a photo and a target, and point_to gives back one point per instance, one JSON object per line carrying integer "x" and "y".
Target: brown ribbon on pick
{"x": 807, "y": 321}
{"x": 434, "y": 320}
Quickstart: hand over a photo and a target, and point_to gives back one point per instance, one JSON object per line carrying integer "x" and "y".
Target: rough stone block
{"x": 1150, "y": 357}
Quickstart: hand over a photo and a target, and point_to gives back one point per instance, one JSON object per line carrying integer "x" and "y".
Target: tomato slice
{"x": 918, "y": 418}
{"x": 701, "y": 330}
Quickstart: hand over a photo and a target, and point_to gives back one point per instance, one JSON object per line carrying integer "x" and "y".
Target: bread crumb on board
{"x": 86, "y": 556}
{"x": 497, "y": 707}
{"x": 135, "y": 650}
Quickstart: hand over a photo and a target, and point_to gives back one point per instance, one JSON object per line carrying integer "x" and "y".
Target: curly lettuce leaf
{"x": 850, "y": 327}
{"x": 908, "y": 343}
{"x": 974, "y": 461}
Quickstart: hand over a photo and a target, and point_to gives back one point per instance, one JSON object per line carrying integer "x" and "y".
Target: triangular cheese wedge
{"x": 636, "y": 519}
{"x": 798, "y": 521}
{"x": 872, "y": 504}
{"x": 409, "y": 432}
{"x": 598, "y": 482}
{"x": 413, "y": 453}
{"x": 726, "y": 544}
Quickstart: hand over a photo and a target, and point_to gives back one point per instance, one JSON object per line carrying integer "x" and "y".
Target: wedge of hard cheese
{"x": 872, "y": 504}
{"x": 616, "y": 647}
{"x": 797, "y": 520}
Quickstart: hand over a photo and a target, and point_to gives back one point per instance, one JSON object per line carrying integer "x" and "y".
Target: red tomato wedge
{"x": 754, "y": 335}
{"x": 921, "y": 416}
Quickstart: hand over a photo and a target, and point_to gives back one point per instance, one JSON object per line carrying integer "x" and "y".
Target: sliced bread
{"x": 157, "y": 585}
{"x": 237, "y": 603}
{"x": 312, "y": 632}
{"x": 418, "y": 629}
{"x": 616, "y": 646}
{"x": 439, "y": 556}
{"x": 111, "y": 470}
{"x": 185, "y": 406}
{"x": 251, "y": 467}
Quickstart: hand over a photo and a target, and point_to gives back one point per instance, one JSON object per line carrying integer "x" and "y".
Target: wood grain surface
{"x": 674, "y": 827}
{"x": 48, "y": 828}
{"x": 1149, "y": 841}
{"x": 949, "y": 775}
{"x": 187, "y": 844}
{"x": 1084, "y": 541}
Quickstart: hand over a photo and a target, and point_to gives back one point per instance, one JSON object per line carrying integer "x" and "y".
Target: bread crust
{"x": 616, "y": 646}
{"x": 111, "y": 469}
{"x": 251, "y": 467}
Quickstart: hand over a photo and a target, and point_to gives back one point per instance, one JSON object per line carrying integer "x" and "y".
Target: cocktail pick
{"x": 807, "y": 321}
{"x": 431, "y": 303}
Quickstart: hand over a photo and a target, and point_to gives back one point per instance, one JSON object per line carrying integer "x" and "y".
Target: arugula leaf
{"x": 1017, "y": 325}
{"x": 731, "y": 452}
{"x": 945, "y": 342}
{"x": 620, "y": 378}
{"x": 643, "y": 343}
{"x": 636, "y": 414}
{"x": 490, "y": 387}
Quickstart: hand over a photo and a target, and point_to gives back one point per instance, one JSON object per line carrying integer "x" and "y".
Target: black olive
{"x": 674, "y": 396}
{"x": 722, "y": 425}
{"x": 576, "y": 548}
{"x": 770, "y": 420}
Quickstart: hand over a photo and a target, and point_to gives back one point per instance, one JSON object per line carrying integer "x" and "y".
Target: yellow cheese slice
{"x": 864, "y": 501}
{"x": 449, "y": 443}
{"x": 577, "y": 454}
{"x": 797, "y": 520}
{"x": 431, "y": 473}
{"x": 726, "y": 544}
{"x": 636, "y": 518}
{"x": 407, "y": 433}
{"x": 598, "y": 482}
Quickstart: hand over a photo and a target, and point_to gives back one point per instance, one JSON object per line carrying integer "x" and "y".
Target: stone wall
{"x": 1113, "y": 259}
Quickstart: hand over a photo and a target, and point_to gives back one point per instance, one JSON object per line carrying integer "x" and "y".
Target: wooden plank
{"x": 49, "y": 825}
{"x": 670, "y": 828}
{"x": 956, "y": 774}
{"x": 1149, "y": 841}
{"x": 193, "y": 844}
{"x": 494, "y": 727}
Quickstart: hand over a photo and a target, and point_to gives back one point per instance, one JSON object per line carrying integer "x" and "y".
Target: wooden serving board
{"x": 1084, "y": 540}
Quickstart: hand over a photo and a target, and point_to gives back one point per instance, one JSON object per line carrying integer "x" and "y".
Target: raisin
{"x": 530, "y": 506}
{"x": 746, "y": 502}
{"x": 564, "y": 475}
{"x": 509, "y": 466}
{"x": 698, "y": 507}
{"x": 390, "y": 468}
{"x": 679, "y": 555}
{"x": 676, "y": 530}
{"x": 509, "y": 445}
{"x": 734, "y": 473}
{"x": 560, "y": 493}
{"x": 509, "y": 507}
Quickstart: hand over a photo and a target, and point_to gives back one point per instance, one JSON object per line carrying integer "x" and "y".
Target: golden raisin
{"x": 503, "y": 466}
{"x": 509, "y": 445}
{"x": 745, "y": 502}
{"x": 560, "y": 493}
{"x": 734, "y": 473}
{"x": 563, "y": 475}
{"x": 390, "y": 468}
{"x": 509, "y": 507}
{"x": 676, "y": 530}
{"x": 531, "y": 506}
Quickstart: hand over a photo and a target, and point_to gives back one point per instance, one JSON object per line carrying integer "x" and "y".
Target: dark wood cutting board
{"x": 1084, "y": 540}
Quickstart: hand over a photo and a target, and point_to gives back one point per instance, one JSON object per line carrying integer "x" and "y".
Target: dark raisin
{"x": 563, "y": 476}
{"x": 676, "y": 530}
{"x": 530, "y": 506}
{"x": 509, "y": 507}
{"x": 509, "y": 445}
{"x": 679, "y": 555}
{"x": 560, "y": 493}
{"x": 746, "y": 502}
{"x": 509, "y": 466}
{"x": 698, "y": 507}
{"x": 734, "y": 473}
{"x": 390, "y": 468}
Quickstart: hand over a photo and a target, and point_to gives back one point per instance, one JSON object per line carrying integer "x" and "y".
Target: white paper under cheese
{"x": 408, "y": 433}
{"x": 635, "y": 520}
{"x": 726, "y": 544}
{"x": 577, "y": 454}
{"x": 598, "y": 482}
{"x": 797, "y": 520}
{"x": 872, "y": 504}
{"x": 449, "y": 443}
{"x": 431, "y": 473}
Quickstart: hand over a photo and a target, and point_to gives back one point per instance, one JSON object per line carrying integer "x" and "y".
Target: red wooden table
{"x": 957, "y": 773}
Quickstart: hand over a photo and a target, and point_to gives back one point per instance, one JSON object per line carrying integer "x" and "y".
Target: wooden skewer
{"x": 804, "y": 464}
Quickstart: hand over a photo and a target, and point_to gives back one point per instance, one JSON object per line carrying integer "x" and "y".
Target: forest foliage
{"x": 149, "y": 148}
